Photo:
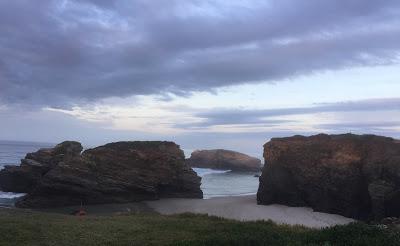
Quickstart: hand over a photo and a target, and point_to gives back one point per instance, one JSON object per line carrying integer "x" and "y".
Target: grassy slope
{"x": 33, "y": 228}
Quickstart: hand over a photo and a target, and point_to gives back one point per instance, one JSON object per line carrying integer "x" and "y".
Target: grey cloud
{"x": 232, "y": 119}
{"x": 359, "y": 126}
{"x": 260, "y": 116}
{"x": 60, "y": 53}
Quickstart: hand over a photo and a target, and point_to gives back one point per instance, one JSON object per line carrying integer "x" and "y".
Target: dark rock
{"x": 20, "y": 179}
{"x": 24, "y": 178}
{"x": 113, "y": 173}
{"x": 355, "y": 176}
{"x": 223, "y": 160}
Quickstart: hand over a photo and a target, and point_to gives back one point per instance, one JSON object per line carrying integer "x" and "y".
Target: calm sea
{"x": 215, "y": 183}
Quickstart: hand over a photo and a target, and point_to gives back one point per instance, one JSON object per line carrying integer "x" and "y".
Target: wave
{"x": 207, "y": 171}
{"x": 10, "y": 195}
{"x": 209, "y": 196}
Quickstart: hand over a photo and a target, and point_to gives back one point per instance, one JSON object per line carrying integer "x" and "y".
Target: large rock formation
{"x": 24, "y": 178}
{"x": 113, "y": 173}
{"x": 355, "y": 176}
{"x": 224, "y": 160}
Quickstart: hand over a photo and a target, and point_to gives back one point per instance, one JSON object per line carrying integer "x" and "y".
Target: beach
{"x": 245, "y": 208}
{"x": 240, "y": 208}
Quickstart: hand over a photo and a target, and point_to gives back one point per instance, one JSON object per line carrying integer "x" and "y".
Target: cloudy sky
{"x": 206, "y": 74}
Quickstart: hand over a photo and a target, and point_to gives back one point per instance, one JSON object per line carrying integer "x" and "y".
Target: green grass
{"x": 18, "y": 227}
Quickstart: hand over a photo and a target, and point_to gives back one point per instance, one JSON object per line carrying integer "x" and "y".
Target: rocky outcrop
{"x": 223, "y": 160}
{"x": 24, "y": 178}
{"x": 113, "y": 173}
{"x": 352, "y": 175}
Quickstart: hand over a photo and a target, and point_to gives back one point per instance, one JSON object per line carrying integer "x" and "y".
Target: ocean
{"x": 218, "y": 183}
{"x": 215, "y": 183}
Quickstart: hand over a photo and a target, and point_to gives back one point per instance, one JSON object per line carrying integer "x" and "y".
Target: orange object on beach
{"x": 81, "y": 211}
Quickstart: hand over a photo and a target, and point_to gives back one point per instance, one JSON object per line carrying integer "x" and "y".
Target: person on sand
{"x": 81, "y": 211}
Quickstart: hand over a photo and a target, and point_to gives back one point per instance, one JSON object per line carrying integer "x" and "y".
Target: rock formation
{"x": 224, "y": 160}
{"x": 113, "y": 173}
{"x": 24, "y": 178}
{"x": 352, "y": 175}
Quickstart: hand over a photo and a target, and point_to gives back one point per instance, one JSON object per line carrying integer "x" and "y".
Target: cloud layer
{"x": 61, "y": 53}
{"x": 270, "y": 117}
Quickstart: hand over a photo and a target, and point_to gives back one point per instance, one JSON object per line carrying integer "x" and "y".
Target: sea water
{"x": 218, "y": 183}
{"x": 215, "y": 183}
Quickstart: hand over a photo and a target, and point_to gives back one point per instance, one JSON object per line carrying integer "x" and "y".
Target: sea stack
{"x": 113, "y": 173}
{"x": 224, "y": 160}
{"x": 356, "y": 176}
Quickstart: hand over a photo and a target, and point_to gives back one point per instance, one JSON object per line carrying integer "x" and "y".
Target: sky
{"x": 205, "y": 74}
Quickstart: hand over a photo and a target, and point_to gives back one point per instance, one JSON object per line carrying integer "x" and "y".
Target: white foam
{"x": 206, "y": 171}
{"x": 10, "y": 195}
{"x": 206, "y": 196}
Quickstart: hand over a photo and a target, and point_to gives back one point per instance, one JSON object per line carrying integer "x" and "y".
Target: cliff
{"x": 352, "y": 175}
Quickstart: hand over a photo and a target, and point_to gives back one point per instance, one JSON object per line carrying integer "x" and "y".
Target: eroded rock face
{"x": 224, "y": 160}
{"x": 355, "y": 176}
{"x": 113, "y": 173}
{"x": 24, "y": 178}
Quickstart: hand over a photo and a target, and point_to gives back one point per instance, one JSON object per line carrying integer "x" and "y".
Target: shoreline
{"x": 245, "y": 208}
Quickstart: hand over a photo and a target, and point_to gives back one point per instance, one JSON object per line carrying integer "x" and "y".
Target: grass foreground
{"x": 20, "y": 227}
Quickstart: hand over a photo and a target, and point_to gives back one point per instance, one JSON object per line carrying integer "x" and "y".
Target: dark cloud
{"x": 261, "y": 116}
{"x": 59, "y": 53}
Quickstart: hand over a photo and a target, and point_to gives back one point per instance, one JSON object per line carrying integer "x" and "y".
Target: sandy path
{"x": 245, "y": 208}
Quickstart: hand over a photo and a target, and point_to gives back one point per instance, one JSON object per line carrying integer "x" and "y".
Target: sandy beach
{"x": 245, "y": 208}
{"x": 242, "y": 208}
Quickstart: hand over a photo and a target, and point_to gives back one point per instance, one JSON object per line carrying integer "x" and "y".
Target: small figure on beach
{"x": 81, "y": 211}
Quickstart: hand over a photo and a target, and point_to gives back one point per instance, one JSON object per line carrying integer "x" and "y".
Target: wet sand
{"x": 245, "y": 208}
